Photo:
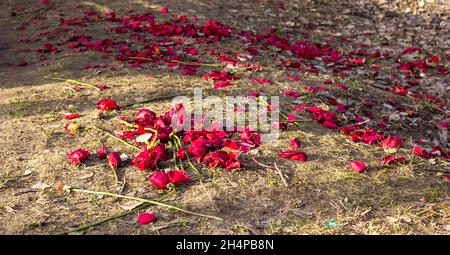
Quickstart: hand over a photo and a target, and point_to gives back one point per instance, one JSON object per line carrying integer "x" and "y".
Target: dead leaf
{"x": 27, "y": 172}
{"x": 86, "y": 176}
{"x": 130, "y": 205}
{"x": 40, "y": 186}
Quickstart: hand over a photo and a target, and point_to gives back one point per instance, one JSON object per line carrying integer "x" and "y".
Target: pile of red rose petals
{"x": 160, "y": 143}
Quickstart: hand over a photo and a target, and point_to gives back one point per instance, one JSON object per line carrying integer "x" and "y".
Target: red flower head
{"x": 114, "y": 159}
{"x": 145, "y": 218}
{"x": 144, "y": 117}
{"x": 108, "y": 105}
{"x": 357, "y": 166}
{"x": 294, "y": 155}
{"x": 78, "y": 156}
{"x": 142, "y": 161}
{"x": 178, "y": 176}
{"x": 159, "y": 179}
{"x": 101, "y": 153}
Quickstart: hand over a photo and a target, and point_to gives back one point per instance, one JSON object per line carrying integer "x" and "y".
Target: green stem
{"x": 74, "y": 82}
{"x": 177, "y": 139}
{"x": 174, "y": 155}
{"x": 116, "y": 138}
{"x": 114, "y": 172}
{"x": 146, "y": 201}
{"x": 195, "y": 64}
{"x": 120, "y": 215}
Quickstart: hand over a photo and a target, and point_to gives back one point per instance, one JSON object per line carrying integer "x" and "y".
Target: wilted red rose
{"x": 101, "y": 153}
{"x": 142, "y": 161}
{"x": 159, "y": 179}
{"x": 145, "y": 218}
{"x": 145, "y": 117}
{"x": 78, "y": 156}
{"x": 178, "y": 176}
{"x": 114, "y": 159}
{"x": 108, "y": 105}
{"x": 357, "y": 166}
{"x": 293, "y": 154}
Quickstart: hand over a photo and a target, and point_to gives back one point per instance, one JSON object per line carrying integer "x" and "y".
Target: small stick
{"x": 261, "y": 164}
{"x": 281, "y": 175}
{"x": 146, "y": 201}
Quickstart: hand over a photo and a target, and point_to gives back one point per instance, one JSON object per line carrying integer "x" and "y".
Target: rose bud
{"x": 357, "y": 166}
{"x": 108, "y": 105}
{"x": 101, "y": 153}
{"x": 145, "y": 218}
{"x": 78, "y": 156}
{"x": 71, "y": 128}
{"x": 159, "y": 179}
{"x": 178, "y": 176}
{"x": 114, "y": 159}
